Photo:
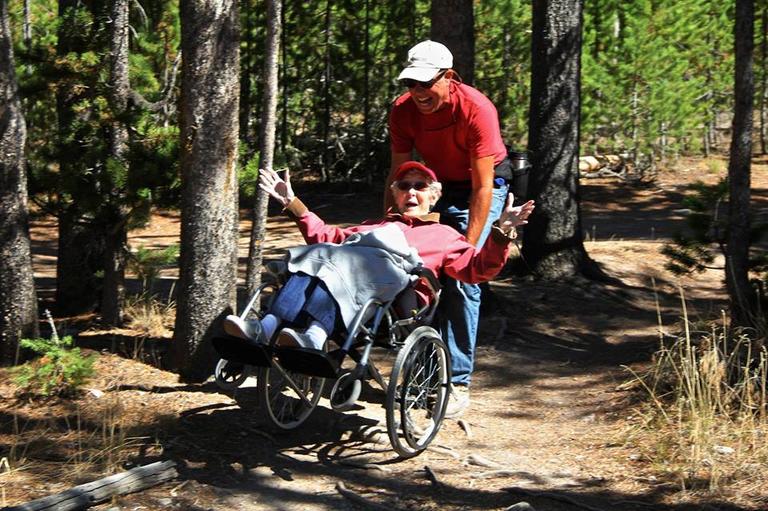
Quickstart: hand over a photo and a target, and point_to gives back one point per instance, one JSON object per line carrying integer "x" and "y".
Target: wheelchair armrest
{"x": 426, "y": 312}
{"x": 429, "y": 277}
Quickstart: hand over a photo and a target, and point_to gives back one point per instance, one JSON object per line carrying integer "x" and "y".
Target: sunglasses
{"x": 404, "y": 186}
{"x": 412, "y": 84}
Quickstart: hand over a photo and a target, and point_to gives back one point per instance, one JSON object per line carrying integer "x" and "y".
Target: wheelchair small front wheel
{"x": 417, "y": 394}
{"x": 345, "y": 392}
{"x": 230, "y": 375}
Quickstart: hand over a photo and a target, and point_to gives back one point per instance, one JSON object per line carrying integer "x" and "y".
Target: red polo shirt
{"x": 467, "y": 126}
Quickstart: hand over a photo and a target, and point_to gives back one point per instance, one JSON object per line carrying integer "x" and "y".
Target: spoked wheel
{"x": 289, "y": 398}
{"x": 418, "y": 392}
{"x": 230, "y": 375}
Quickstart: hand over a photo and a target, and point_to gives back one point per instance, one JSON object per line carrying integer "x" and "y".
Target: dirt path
{"x": 547, "y": 424}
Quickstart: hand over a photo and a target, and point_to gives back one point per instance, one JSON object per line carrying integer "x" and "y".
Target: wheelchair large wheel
{"x": 417, "y": 394}
{"x": 289, "y": 398}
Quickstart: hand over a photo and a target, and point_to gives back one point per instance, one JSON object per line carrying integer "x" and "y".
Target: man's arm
{"x": 397, "y": 159}
{"x": 481, "y": 198}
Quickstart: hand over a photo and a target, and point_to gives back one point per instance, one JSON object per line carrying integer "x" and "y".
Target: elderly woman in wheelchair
{"x": 371, "y": 284}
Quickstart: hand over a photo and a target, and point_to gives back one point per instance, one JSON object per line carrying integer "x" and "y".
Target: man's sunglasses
{"x": 412, "y": 84}
{"x": 404, "y": 186}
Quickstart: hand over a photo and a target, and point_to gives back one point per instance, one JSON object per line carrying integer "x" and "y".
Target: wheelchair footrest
{"x": 244, "y": 351}
{"x": 309, "y": 362}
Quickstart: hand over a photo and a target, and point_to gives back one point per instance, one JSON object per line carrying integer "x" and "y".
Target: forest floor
{"x": 550, "y": 422}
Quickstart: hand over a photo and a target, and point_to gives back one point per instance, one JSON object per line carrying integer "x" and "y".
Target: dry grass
{"x": 706, "y": 420}
{"x": 149, "y": 316}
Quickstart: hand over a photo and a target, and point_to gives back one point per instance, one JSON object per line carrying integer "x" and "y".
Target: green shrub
{"x": 60, "y": 371}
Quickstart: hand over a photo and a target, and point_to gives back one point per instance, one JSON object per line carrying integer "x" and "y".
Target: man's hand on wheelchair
{"x": 277, "y": 187}
{"x": 513, "y": 216}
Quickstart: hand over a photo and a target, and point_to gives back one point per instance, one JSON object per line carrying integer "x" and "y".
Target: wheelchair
{"x": 290, "y": 381}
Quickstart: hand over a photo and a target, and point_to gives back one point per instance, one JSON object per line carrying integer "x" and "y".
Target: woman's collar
{"x": 429, "y": 217}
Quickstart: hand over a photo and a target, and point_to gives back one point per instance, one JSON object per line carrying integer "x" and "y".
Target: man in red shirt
{"x": 455, "y": 129}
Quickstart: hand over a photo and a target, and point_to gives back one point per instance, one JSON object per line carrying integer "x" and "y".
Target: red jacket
{"x": 442, "y": 248}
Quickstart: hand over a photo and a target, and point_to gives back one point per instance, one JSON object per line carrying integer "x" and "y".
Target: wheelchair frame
{"x": 290, "y": 381}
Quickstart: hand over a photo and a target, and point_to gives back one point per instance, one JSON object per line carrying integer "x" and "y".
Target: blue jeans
{"x": 459, "y": 309}
{"x": 304, "y": 298}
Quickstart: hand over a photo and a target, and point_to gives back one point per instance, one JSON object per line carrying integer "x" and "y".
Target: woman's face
{"x": 413, "y": 201}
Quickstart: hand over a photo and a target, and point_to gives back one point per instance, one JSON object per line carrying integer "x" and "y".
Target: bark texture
{"x": 266, "y": 142}
{"x": 453, "y": 24}
{"x": 553, "y": 244}
{"x": 737, "y": 259}
{"x": 18, "y": 303}
{"x": 209, "y": 139}
{"x": 116, "y": 235}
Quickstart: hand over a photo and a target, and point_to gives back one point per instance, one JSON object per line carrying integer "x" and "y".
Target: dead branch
{"x": 102, "y": 490}
{"x": 432, "y": 477}
{"x": 554, "y": 496}
{"x": 445, "y": 450}
{"x": 364, "y": 465}
{"x": 359, "y": 499}
{"x": 476, "y": 459}
{"x": 465, "y": 426}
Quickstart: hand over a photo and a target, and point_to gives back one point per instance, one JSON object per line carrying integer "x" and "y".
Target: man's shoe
{"x": 290, "y": 338}
{"x": 237, "y": 327}
{"x": 458, "y": 401}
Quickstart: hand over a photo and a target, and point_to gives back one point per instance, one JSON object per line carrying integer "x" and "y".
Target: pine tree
{"x": 18, "y": 303}
{"x": 209, "y": 139}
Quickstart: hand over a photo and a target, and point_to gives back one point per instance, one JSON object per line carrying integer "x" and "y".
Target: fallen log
{"x": 604, "y": 165}
{"x": 96, "y": 492}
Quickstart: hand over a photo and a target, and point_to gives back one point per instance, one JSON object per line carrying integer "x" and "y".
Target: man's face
{"x": 429, "y": 96}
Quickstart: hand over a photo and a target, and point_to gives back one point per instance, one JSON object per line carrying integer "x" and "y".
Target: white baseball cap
{"x": 425, "y": 60}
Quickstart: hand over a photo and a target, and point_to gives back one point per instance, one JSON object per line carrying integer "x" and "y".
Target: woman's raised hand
{"x": 512, "y": 216}
{"x": 277, "y": 187}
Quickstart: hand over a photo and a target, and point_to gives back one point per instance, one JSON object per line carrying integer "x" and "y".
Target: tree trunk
{"x": 453, "y": 24}
{"x": 369, "y": 169}
{"x": 116, "y": 235}
{"x": 80, "y": 253}
{"x": 79, "y": 257}
{"x": 27, "y": 30}
{"x": 737, "y": 259}
{"x": 763, "y": 74}
{"x": 284, "y": 82}
{"x": 266, "y": 143}
{"x": 325, "y": 168}
{"x": 18, "y": 303}
{"x": 245, "y": 81}
{"x": 209, "y": 138}
{"x": 553, "y": 243}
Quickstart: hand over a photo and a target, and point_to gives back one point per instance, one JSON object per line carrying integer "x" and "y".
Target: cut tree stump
{"x": 96, "y": 492}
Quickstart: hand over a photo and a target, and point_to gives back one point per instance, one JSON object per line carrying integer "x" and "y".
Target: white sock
{"x": 316, "y": 334}
{"x": 269, "y": 325}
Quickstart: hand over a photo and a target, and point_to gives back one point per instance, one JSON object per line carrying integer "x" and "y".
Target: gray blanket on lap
{"x": 372, "y": 264}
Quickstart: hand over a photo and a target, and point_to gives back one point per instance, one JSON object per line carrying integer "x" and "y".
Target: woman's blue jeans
{"x": 304, "y": 298}
{"x": 459, "y": 310}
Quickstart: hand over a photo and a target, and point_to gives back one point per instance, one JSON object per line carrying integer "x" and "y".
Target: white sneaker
{"x": 458, "y": 401}
{"x": 236, "y": 327}
{"x": 290, "y": 338}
